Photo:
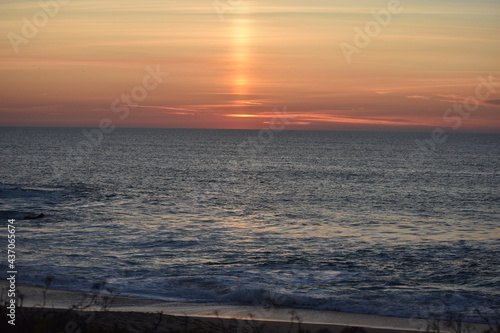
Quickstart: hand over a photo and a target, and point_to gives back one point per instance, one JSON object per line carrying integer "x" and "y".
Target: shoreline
{"x": 126, "y": 311}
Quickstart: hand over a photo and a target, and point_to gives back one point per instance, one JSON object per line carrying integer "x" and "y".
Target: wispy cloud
{"x": 493, "y": 102}
{"x": 418, "y": 97}
{"x": 324, "y": 117}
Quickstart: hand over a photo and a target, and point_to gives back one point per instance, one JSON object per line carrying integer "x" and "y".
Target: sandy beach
{"x": 54, "y": 310}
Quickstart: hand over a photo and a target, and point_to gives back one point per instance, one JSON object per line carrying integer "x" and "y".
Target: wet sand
{"x": 111, "y": 312}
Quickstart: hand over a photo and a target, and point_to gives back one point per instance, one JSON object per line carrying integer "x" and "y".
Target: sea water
{"x": 363, "y": 222}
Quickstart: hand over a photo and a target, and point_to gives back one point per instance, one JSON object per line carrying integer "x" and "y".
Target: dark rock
{"x": 39, "y": 216}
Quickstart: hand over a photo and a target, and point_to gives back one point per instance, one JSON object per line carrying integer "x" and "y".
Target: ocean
{"x": 363, "y": 222}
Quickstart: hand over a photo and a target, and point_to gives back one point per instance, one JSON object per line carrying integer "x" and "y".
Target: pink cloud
{"x": 418, "y": 97}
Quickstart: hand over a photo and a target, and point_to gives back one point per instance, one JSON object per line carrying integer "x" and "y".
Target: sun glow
{"x": 241, "y": 115}
{"x": 262, "y": 55}
{"x": 241, "y": 56}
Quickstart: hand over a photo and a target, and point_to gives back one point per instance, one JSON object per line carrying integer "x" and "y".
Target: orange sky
{"x": 252, "y": 58}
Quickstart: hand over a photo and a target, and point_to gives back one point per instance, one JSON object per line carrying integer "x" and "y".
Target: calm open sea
{"x": 351, "y": 221}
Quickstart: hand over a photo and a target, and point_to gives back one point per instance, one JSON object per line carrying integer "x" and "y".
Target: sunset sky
{"x": 231, "y": 62}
